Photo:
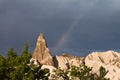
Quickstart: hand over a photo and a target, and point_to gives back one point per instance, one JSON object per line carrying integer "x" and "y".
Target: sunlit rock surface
{"x": 42, "y": 53}
{"x": 110, "y": 60}
{"x": 65, "y": 61}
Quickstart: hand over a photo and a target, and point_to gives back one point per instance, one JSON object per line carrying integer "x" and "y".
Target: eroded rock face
{"x": 106, "y": 58}
{"x": 110, "y": 60}
{"x": 65, "y": 61}
{"x": 42, "y": 53}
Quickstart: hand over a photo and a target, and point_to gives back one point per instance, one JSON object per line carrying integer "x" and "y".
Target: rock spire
{"x": 42, "y": 53}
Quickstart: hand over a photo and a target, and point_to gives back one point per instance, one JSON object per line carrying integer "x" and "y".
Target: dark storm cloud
{"x": 100, "y": 27}
{"x": 22, "y": 20}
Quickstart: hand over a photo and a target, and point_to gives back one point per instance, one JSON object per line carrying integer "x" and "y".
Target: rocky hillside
{"x": 110, "y": 60}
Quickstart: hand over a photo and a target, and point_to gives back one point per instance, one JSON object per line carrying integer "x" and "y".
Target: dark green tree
{"x": 14, "y": 67}
{"x": 2, "y": 67}
{"x": 11, "y": 53}
{"x": 82, "y": 72}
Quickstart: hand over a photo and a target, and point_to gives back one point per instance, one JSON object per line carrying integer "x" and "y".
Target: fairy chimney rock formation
{"x": 42, "y": 53}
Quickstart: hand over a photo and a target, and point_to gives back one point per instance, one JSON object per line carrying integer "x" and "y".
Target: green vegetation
{"x": 14, "y": 67}
{"x": 79, "y": 73}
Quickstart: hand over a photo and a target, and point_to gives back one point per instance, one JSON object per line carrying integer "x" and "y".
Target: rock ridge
{"x": 110, "y": 60}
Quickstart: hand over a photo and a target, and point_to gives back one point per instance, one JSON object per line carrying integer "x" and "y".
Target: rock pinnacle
{"x": 42, "y": 52}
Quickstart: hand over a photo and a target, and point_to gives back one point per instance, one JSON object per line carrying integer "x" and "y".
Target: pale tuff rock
{"x": 51, "y": 68}
{"x": 110, "y": 60}
{"x": 61, "y": 63}
{"x": 65, "y": 61}
{"x": 109, "y": 57}
{"x": 42, "y": 53}
{"x": 34, "y": 61}
{"x": 43, "y": 56}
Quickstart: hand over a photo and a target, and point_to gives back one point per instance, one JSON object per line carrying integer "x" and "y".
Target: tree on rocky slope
{"x": 19, "y": 67}
{"x": 79, "y": 73}
{"x": 14, "y": 67}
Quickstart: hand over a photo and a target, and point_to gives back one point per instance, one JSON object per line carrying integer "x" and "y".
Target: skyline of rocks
{"x": 110, "y": 60}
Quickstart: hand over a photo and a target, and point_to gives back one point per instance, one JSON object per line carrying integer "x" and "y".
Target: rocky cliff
{"x": 43, "y": 56}
{"x": 110, "y": 60}
{"x": 42, "y": 53}
{"x": 65, "y": 61}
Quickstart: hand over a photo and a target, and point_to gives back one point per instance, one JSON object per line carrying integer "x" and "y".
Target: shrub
{"x": 82, "y": 72}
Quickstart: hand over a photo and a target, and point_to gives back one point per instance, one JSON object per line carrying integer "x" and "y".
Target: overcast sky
{"x": 97, "y": 25}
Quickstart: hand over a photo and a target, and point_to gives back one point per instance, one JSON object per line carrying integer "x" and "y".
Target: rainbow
{"x": 66, "y": 34}
{"x": 73, "y": 24}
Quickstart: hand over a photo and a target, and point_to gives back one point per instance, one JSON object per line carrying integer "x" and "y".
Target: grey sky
{"x": 97, "y": 28}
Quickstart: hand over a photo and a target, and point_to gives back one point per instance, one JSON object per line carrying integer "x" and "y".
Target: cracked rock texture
{"x": 110, "y": 60}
